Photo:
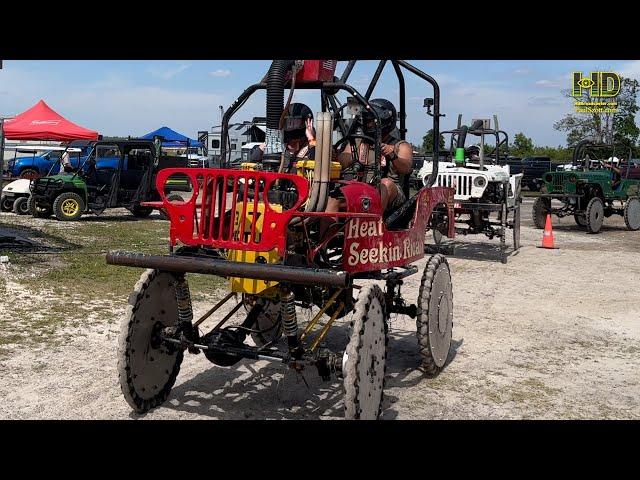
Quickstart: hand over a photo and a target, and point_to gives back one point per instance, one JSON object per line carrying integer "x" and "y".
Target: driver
{"x": 65, "y": 163}
{"x": 299, "y": 137}
{"x": 397, "y": 155}
{"x": 616, "y": 173}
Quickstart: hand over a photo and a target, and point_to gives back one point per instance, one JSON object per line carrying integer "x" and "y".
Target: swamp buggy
{"x": 261, "y": 229}
{"x": 592, "y": 190}
{"x": 487, "y": 196}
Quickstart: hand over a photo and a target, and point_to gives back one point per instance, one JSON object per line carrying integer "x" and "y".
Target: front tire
{"x": 20, "y": 206}
{"x": 434, "y": 323}
{"x": 594, "y": 215}
{"x": 29, "y": 173}
{"x": 364, "y": 361}
{"x": 6, "y": 204}
{"x": 147, "y": 369}
{"x": 68, "y": 206}
{"x": 541, "y": 208}
{"x": 632, "y": 213}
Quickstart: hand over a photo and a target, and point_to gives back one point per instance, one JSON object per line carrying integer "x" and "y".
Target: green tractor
{"x": 593, "y": 188}
{"x": 111, "y": 175}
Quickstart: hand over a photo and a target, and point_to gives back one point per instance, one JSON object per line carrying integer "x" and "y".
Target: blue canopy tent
{"x": 172, "y": 139}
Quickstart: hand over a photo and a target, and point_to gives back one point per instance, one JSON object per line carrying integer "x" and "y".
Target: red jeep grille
{"x": 221, "y": 198}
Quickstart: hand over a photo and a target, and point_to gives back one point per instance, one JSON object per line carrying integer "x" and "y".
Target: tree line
{"x": 611, "y": 127}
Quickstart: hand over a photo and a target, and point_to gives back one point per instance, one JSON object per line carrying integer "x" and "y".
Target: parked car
{"x": 415, "y": 182}
{"x": 515, "y": 164}
{"x": 533, "y": 169}
{"x": 30, "y": 161}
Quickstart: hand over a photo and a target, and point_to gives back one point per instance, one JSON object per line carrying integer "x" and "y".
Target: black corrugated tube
{"x": 275, "y": 92}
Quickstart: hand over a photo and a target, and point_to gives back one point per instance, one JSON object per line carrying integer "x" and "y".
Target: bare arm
{"x": 404, "y": 163}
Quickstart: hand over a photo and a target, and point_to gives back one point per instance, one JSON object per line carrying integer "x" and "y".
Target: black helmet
{"x": 295, "y": 121}
{"x": 387, "y": 114}
{"x": 473, "y": 150}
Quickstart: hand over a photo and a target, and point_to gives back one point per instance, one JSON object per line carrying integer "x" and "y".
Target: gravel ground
{"x": 552, "y": 334}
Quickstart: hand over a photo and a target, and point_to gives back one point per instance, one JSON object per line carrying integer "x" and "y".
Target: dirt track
{"x": 552, "y": 334}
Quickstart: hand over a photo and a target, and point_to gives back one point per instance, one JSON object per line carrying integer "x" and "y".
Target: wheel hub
{"x": 443, "y": 313}
{"x": 70, "y": 207}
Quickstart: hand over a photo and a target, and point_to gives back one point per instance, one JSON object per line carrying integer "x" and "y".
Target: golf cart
{"x": 16, "y": 194}
{"x": 596, "y": 187}
{"x": 262, "y": 230}
{"x": 114, "y": 174}
{"x": 483, "y": 183}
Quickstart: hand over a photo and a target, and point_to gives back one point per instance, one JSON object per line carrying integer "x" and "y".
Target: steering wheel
{"x": 354, "y": 136}
{"x": 355, "y": 166}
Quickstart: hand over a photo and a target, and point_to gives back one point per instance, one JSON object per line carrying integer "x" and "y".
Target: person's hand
{"x": 309, "y": 130}
{"x": 387, "y": 149}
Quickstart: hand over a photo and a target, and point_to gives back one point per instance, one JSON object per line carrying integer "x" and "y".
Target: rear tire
{"x": 580, "y": 219}
{"x": 36, "y": 211}
{"x": 632, "y": 213}
{"x": 141, "y": 212}
{"x": 434, "y": 323}
{"x": 516, "y": 228}
{"x": 541, "y": 208}
{"x": 20, "y": 206}
{"x": 594, "y": 215}
{"x": 174, "y": 197}
{"x": 68, "y": 206}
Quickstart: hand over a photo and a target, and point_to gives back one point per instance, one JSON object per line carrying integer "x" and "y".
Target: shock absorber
{"x": 290, "y": 322}
{"x": 185, "y": 311}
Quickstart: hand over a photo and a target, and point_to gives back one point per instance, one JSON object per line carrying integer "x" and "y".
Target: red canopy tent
{"x": 42, "y": 123}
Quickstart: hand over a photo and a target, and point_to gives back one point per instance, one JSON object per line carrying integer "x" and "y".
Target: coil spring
{"x": 288, "y": 312}
{"x": 185, "y": 311}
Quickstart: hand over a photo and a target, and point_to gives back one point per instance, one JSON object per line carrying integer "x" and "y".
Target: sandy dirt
{"x": 552, "y": 334}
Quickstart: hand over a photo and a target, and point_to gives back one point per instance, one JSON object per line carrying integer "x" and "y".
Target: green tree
{"x": 604, "y": 127}
{"x": 522, "y": 145}
{"x": 427, "y": 142}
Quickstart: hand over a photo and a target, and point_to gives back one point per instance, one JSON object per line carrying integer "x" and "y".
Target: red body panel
{"x": 369, "y": 246}
{"x": 317, "y": 71}
{"x": 198, "y": 221}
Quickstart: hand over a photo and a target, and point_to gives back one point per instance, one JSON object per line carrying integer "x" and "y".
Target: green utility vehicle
{"x": 598, "y": 185}
{"x": 113, "y": 174}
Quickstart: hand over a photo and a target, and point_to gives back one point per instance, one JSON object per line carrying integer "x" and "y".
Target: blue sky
{"x": 135, "y": 97}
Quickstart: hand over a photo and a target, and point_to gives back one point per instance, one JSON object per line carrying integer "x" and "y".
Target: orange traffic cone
{"x": 547, "y": 235}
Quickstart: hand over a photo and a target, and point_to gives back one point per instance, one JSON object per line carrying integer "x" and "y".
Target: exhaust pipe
{"x": 315, "y": 186}
{"x": 325, "y": 166}
{"x": 275, "y": 105}
{"x": 223, "y": 268}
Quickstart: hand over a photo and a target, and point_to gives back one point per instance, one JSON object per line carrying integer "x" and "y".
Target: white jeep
{"x": 470, "y": 181}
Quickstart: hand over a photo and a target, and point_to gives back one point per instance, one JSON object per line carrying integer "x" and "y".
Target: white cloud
{"x": 522, "y": 71}
{"x": 630, "y": 70}
{"x": 168, "y": 74}
{"x": 115, "y": 105}
{"x": 220, "y": 73}
{"x": 548, "y": 83}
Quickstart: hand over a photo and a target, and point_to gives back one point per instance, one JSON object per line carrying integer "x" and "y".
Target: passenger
{"x": 299, "y": 137}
